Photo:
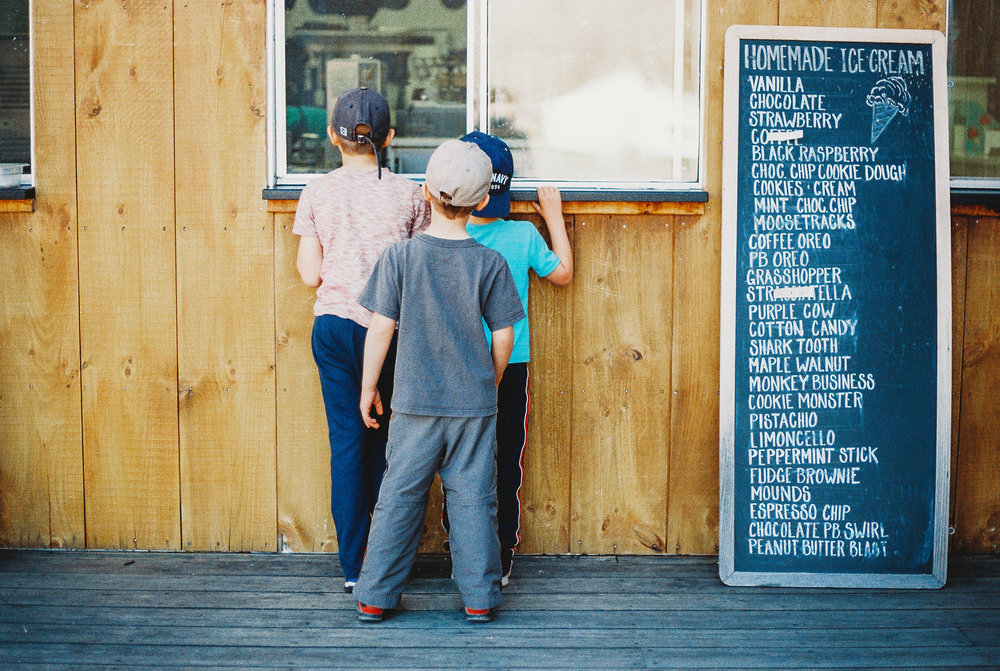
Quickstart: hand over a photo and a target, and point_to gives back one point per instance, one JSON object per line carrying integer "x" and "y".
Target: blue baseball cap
{"x": 357, "y": 107}
{"x": 503, "y": 169}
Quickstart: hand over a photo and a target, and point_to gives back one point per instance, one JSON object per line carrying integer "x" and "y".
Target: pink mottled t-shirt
{"x": 356, "y": 216}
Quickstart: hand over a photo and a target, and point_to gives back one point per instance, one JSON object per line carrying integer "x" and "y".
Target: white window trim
{"x": 28, "y": 179}
{"x": 477, "y": 113}
{"x": 976, "y": 183}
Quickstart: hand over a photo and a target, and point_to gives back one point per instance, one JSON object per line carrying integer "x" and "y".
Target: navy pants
{"x": 512, "y": 437}
{"x": 357, "y": 453}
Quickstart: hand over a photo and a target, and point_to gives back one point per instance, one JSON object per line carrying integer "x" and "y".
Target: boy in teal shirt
{"x": 520, "y": 243}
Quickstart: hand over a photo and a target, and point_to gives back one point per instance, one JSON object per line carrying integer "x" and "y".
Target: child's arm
{"x": 503, "y": 345}
{"x": 376, "y": 345}
{"x": 549, "y": 205}
{"x": 310, "y": 260}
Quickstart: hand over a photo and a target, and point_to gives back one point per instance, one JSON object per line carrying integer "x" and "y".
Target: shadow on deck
{"x": 128, "y": 610}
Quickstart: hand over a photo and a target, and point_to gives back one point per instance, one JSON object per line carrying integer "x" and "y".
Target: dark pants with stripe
{"x": 512, "y": 437}
{"x": 357, "y": 453}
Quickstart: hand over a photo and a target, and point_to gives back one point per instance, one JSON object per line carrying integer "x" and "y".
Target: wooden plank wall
{"x": 128, "y": 307}
{"x": 225, "y": 279}
{"x": 157, "y": 389}
{"x": 976, "y": 472}
{"x": 41, "y": 469}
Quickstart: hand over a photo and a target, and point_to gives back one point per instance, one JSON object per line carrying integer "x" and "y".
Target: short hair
{"x": 451, "y": 211}
{"x": 359, "y": 147}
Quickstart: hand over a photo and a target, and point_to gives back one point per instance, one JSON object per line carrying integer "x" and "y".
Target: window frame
{"x": 477, "y": 113}
{"x": 26, "y": 188}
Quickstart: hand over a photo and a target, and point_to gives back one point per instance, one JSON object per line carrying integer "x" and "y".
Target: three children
{"x": 440, "y": 287}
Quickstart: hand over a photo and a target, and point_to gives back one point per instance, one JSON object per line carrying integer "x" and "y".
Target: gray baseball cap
{"x": 459, "y": 173}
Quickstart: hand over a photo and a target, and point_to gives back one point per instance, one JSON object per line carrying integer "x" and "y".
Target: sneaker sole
{"x": 370, "y": 617}
{"x": 479, "y": 618}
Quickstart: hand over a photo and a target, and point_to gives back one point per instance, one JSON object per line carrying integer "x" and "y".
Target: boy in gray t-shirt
{"x": 439, "y": 286}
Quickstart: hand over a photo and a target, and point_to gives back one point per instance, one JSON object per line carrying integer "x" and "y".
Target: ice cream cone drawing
{"x": 887, "y": 98}
{"x": 882, "y": 114}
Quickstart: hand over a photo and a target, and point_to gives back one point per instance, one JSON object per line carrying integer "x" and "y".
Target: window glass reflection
{"x": 411, "y": 51}
{"x": 15, "y": 87}
{"x": 974, "y": 97}
{"x": 584, "y": 91}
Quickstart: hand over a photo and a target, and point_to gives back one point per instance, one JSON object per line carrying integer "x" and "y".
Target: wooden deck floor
{"x": 128, "y": 610}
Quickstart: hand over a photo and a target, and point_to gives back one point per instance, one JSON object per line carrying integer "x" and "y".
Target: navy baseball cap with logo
{"x": 361, "y": 106}
{"x": 503, "y": 170}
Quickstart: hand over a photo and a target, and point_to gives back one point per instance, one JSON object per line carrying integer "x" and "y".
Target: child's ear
{"x": 334, "y": 138}
{"x": 483, "y": 202}
{"x": 388, "y": 138}
{"x": 427, "y": 192}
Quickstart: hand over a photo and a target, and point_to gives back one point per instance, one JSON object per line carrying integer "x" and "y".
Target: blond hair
{"x": 451, "y": 211}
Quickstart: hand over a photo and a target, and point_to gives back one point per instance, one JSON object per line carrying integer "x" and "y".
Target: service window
{"x": 15, "y": 94}
{"x": 587, "y": 94}
{"x": 974, "y": 96}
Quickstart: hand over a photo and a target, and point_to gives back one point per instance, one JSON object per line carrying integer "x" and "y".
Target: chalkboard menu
{"x": 836, "y": 308}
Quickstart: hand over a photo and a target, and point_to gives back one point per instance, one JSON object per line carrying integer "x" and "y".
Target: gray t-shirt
{"x": 440, "y": 291}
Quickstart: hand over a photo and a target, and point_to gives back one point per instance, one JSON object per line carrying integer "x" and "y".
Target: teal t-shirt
{"x": 524, "y": 248}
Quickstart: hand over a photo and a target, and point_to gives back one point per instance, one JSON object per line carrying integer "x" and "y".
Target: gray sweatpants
{"x": 463, "y": 450}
